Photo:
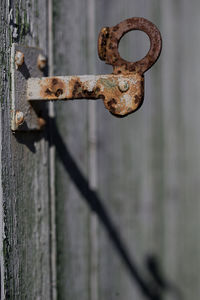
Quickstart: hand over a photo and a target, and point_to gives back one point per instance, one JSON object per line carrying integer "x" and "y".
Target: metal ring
{"x": 110, "y": 37}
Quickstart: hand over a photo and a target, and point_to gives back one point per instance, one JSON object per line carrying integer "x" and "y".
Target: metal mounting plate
{"x": 32, "y": 113}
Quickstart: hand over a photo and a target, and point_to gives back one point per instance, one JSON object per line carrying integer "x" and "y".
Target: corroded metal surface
{"x": 122, "y": 91}
{"x": 109, "y": 39}
{"x": 122, "y": 94}
{"x": 25, "y": 116}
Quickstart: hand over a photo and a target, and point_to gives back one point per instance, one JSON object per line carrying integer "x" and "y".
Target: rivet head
{"x": 41, "y": 122}
{"x": 19, "y": 118}
{"x": 123, "y": 85}
{"x": 41, "y": 61}
{"x": 19, "y": 59}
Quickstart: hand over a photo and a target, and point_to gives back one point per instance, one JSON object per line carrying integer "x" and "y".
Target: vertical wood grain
{"x": 52, "y": 196}
{"x": 92, "y": 153}
{"x": 148, "y": 163}
{"x": 127, "y": 174}
{"x": 24, "y": 168}
{"x": 180, "y": 96}
{"x": 73, "y": 222}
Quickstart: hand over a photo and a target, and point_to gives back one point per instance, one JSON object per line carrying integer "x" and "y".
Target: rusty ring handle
{"x": 110, "y": 37}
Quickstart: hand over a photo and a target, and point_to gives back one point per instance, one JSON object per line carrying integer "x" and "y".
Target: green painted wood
{"x": 25, "y": 236}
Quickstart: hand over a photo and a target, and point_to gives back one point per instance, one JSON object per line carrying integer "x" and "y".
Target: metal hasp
{"x": 25, "y": 63}
{"x": 122, "y": 91}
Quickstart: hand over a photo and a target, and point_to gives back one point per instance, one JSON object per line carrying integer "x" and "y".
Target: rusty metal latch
{"x": 122, "y": 91}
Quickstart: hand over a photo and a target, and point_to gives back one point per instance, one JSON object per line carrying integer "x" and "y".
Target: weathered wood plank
{"x": 148, "y": 163}
{"x": 73, "y": 250}
{"x": 148, "y": 166}
{"x": 120, "y": 284}
{"x": 125, "y": 167}
{"x": 24, "y": 168}
{"x": 180, "y": 96}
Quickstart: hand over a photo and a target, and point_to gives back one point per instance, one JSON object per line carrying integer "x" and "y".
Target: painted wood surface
{"x": 25, "y": 201}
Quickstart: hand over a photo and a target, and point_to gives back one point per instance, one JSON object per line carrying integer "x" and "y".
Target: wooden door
{"x": 127, "y": 190}
{"x": 116, "y": 214}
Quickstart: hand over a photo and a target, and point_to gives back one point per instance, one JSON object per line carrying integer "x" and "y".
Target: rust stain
{"x": 123, "y": 103}
{"x": 41, "y": 61}
{"x": 19, "y": 118}
{"x": 121, "y": 94}
{"x": 107, "y": 88}
{"x": 137, "y": 99}
{"x": 102, "y": 42}
{"x": 123, "y": 91}
{"x": 52, "y": 88}
{"x": 41, "y": 123}
{"x": 109, "y": 39}
{"x": 108, "y": 43}
{"x": 79, "y": 90}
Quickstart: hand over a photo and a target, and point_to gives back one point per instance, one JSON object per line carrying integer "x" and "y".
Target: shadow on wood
{"x": 152, "y": 289}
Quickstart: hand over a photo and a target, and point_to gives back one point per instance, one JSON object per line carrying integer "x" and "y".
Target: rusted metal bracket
{"x": 26, "y": 62}
{"x": 122, "y": 91}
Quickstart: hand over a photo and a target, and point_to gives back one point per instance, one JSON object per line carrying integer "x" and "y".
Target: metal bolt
{"x": 19, "y": 118}
{"x": 123, "y": 85}
{"x": 41, "y": 122}
{"x": 41, "y": 61}
{"x": 19, "y": 59}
